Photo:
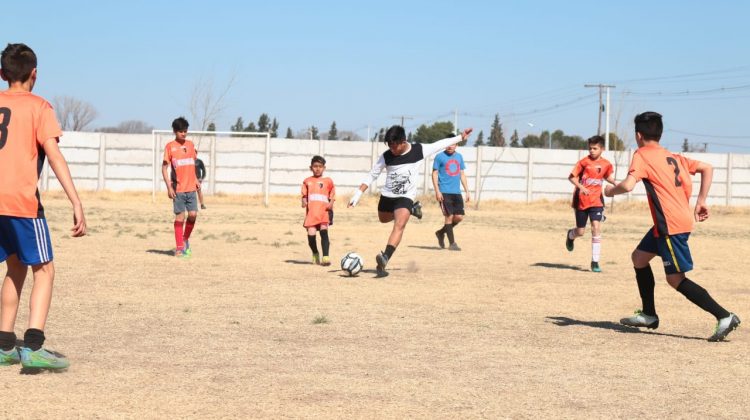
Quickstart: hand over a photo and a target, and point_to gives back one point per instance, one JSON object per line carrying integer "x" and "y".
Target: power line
{"x": 706, "y": 135}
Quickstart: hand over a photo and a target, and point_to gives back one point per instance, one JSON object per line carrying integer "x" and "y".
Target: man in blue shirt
{"x": 447, "y": 172}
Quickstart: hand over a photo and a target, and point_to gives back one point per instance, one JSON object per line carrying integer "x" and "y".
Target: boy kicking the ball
{"x": 401, "y": 163}
{"x": 666, "y": 177}
{"x": 180, "y": 154}
{"x": 318, "y": 195}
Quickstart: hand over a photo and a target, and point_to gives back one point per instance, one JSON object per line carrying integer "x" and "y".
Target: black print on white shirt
{"x": 400, "y": 182}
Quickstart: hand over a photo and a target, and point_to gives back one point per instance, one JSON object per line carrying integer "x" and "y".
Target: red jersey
{"x": 666, "y": 177}
{"x": 27, "y": 121}
{"x": 319, "y": 192}
{"x": 591, "y": 174}
{"x": 182, "y": 158}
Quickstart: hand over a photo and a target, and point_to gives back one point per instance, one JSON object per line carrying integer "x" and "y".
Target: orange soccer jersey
{"x": 319, "y": 193}
{"x": 591, "y": 174}
{"x": 182, "y": 158}
{"x": 666, "y": 177}
{"x": 27, "y": 121}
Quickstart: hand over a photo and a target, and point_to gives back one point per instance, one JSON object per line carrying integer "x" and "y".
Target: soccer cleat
{"x": 316, "y": 259}
{"x": 42, "y": 359}
{"x": 382, "y": 261}
{"x": 203, "y": 206}
{"x": 724, "y": 327}
{"x": 568, "y": 242}
{"x": 416, "y": 210}
{"x": 9, "y": 357}
{"x": 441, "y": 238}
{"x": 178, "y": 252}
{"x": 595, "y": 267}
{"x": 454, "y": 247}
{"x": 326, "y": 260}
{"x": 187, "y": 252}
{"x": 639, "y": 319}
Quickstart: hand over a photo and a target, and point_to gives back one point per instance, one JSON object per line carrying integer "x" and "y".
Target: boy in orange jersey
{"x": 318, "y": 195}
{"x": 666, "y": 177}
{"x": 180, "y": 154}
{"x": 588, "y": 176}
{"x": 29, "y": 131}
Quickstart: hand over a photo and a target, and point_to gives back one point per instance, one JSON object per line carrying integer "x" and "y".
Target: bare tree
{"x": 206, "y": 103}
{"x": 130, "y": 127}
{"x": 73, "y": 114}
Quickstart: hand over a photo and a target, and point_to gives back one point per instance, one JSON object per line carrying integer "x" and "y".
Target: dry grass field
{"x": 513, "y": 326}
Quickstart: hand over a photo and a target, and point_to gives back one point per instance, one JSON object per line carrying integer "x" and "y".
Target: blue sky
{"x": 310, "y": 63}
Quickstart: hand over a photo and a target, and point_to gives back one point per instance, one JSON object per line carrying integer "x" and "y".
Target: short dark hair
{"x": 17, "y": 62}
{"x": 649, "y": 124}
{"x": 180, "y": 124}
{"x": 395, "y": 134}
{"x": 596, "y": 140}
{"x": 318, "y": 159}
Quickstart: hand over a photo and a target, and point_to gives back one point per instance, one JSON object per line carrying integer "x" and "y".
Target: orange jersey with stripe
{"x": 319, "y": 192}
{"x": 27, "y": 121}
{"x": 182, "y": 158}
{"x": 591, "y": 174}
{"x": 666, "y": 177}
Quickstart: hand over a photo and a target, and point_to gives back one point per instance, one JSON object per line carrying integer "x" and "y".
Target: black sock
{"x": 700, "y": 297}
{"x": 311, "y": 240}
{"x": 389, "y": 250}
{"x": 324, "y": 242}
{"x": 645, "y": 278}
{"x": 449, "y": 231}
{"x": 455, "y": 223}
{"x": 441, "y": 231}
{"x": 7, "y": 340}
{"x": 33, "y": 339}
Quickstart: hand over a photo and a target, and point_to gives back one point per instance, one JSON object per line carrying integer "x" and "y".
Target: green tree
{"x": 480, "y": 139}
{"x": 433, "y": 133}
{"x": 289, "y": 134}
{"x": 211, "y": 127}
{"x": 264, "y": 123}
{"x": 333, "y": 133}
{"x": 496, "y": 138}
{"x": 314, "y": 133}
{"x": 532, "y": 140}
{"x": 251, "y": 128}
{"x": 514, "y": 139}
{"x": 615, "y": 142}
{"x": 274, "y": 128}
{"x": 238, "y": 126}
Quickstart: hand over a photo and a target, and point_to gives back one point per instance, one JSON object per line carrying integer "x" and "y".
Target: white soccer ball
{"x": 352, "y": 264}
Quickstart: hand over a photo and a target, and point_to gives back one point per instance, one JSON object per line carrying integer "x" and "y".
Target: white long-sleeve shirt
{"x": 402, "y": 170}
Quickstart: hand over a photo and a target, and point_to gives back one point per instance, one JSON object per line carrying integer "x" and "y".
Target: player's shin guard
{"x": 311, "y": 240}
{"x": 596, "y": 248}
{"x": 699, "y": 296}
{"x": 179, "y": 234}
{"x": 645, "y": 278}
{"x": 189, "y": 225}
{"x": 324, "y": 242}
{"x": 449, "y": 232}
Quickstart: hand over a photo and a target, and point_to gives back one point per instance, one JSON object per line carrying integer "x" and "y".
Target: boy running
{"x": 318, "y": 195}
{"x": 29, "y": 131}
{"x": 180, "y": 154}
{"x": 588, "y": 176}
{"x": 666, "y": 177}
{"x": 401, "y": 163}
{"x": 200, "y": 173}
{"x": 447, "y": 171}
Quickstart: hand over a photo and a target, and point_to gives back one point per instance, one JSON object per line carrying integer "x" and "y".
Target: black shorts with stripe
{"x": 452, "y": 204}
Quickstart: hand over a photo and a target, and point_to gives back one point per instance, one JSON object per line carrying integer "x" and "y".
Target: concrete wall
{"x": 120, "y": 162}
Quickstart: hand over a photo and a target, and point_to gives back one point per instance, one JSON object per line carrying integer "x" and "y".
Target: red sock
{"x": 189, "y": 228}
{"x": 178, "y": 235}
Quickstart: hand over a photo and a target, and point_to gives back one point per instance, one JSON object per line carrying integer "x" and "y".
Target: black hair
{"x": 17, "y": 62}
{"x": 395, "y": 134}
{"x": 180, "y": 124}
{"x": 596, "y": 140}
{"x": 649, "y": 124}
{"x": 318, "y": 159}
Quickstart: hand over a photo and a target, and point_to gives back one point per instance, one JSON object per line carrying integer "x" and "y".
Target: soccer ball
{"x": 352, "y": 264}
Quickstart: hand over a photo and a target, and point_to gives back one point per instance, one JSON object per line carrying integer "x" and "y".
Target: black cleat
{"x": 568, "y": 242}
{"x": 441, "y": 238}
{"x": 382, "y": 261}
{"x": 416, "y": 210}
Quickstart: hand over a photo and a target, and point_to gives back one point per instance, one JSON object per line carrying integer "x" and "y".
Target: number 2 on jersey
{"x": 4, "y": 121}
{"x": 672, "y": 161}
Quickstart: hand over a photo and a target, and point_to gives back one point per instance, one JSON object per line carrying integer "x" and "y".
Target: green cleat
{"x": 42, "y": 359}
{"x": 9, "y": 357}
{"x": 187, "y": 252}
{"x": 595, "y": 267}
{"x": 316, "y": 259}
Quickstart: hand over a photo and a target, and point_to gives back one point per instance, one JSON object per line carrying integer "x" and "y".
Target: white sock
{"x": 596, "y": 248}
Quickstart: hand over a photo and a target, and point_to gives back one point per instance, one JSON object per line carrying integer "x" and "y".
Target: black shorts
{"x": 390, "y": 204}
{"x": 452, "y": 204}
{"x": 596, "y": 214}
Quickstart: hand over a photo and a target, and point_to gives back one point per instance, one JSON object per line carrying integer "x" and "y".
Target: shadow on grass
{"x": 559, "y": 266}
{"x": 169, "y": 252}
{"x": 431, "y": 248}
{"x": 299, "y": 262}
{"x": 563, "y": 321}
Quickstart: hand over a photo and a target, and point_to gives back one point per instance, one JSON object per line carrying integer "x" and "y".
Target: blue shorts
{"x": 673, "y": 250}
{"x": 27, "y": 238}
{"x": 596, "y": 214}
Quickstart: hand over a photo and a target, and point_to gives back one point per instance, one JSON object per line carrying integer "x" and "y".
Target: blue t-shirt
{"x": 449, "y": 169}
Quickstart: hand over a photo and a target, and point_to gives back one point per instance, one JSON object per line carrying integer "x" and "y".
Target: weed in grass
{"x": 321, "y": 319}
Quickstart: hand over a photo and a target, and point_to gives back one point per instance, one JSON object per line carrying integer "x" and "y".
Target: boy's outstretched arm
{"x": 707, "y": 174}
{"x": 62, "y": 172}
{"x": 623, "y": 187}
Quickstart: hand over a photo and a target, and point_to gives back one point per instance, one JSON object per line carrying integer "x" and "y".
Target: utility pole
{"x": 602, "y": 108}
{"x": 403, "y": 117}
